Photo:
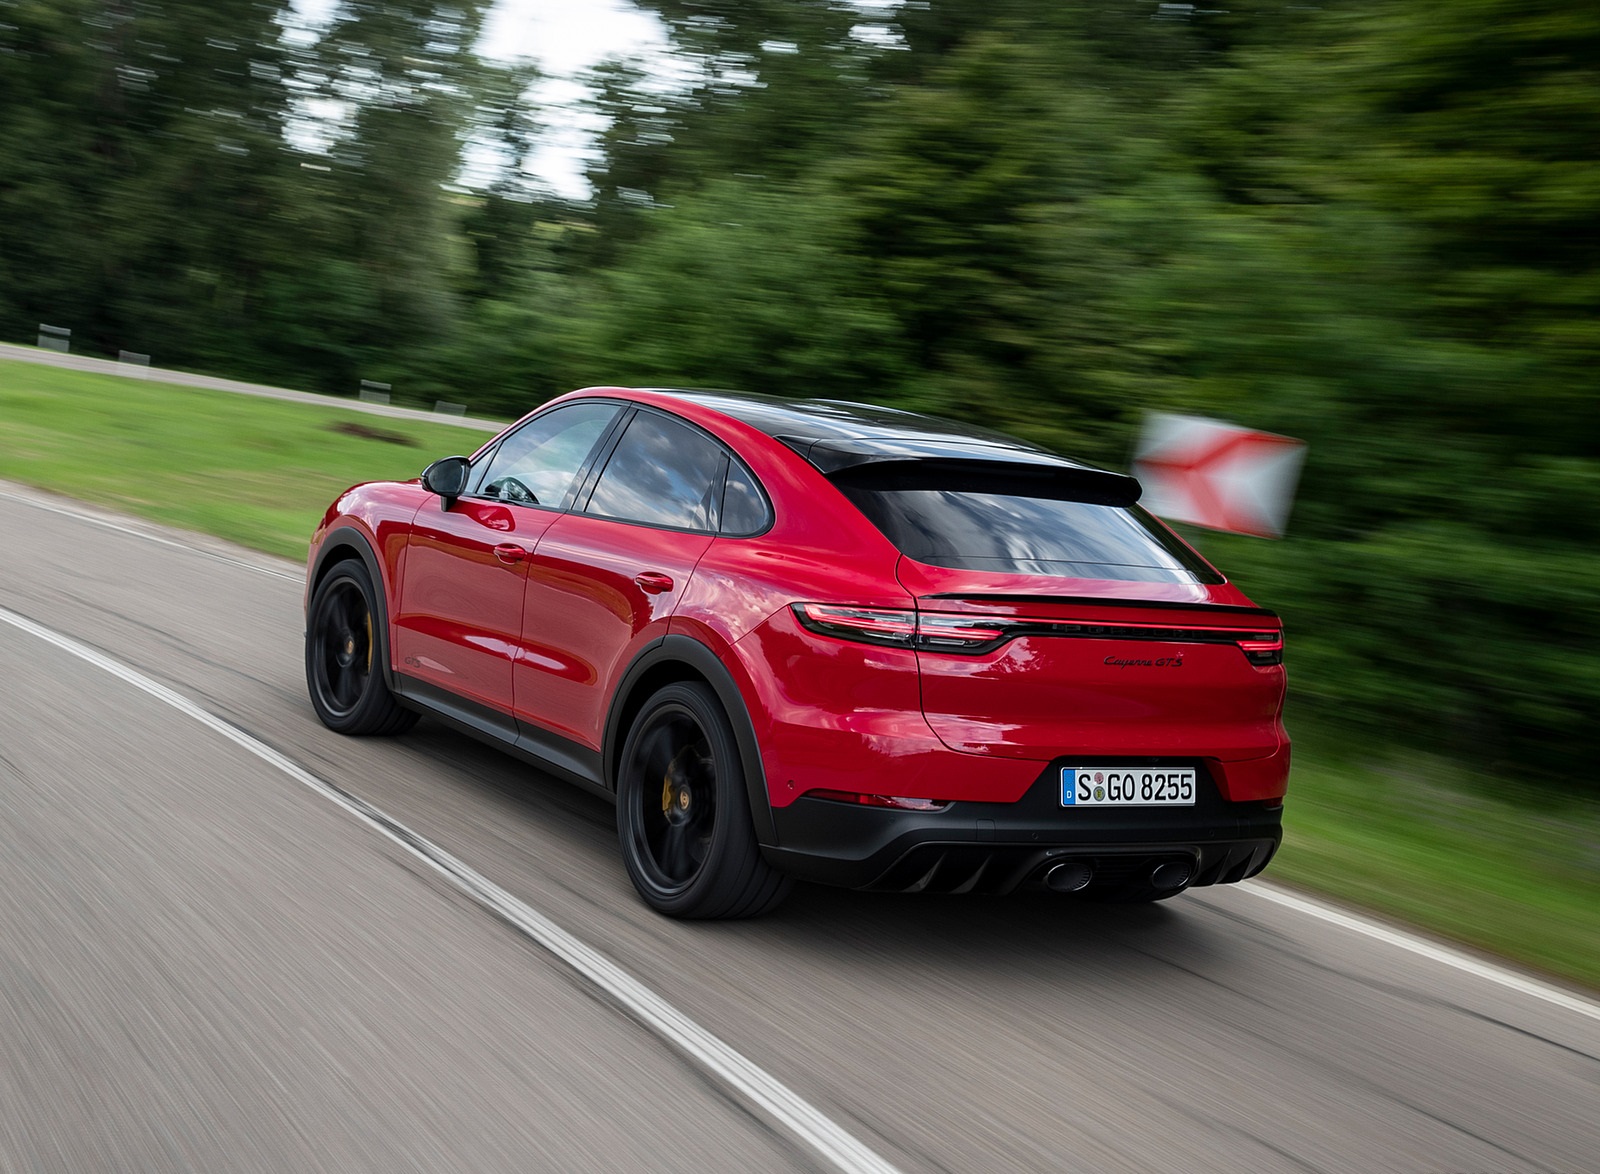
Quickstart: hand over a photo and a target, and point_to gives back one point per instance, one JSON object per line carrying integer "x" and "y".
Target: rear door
{"x": 605, "y": 580}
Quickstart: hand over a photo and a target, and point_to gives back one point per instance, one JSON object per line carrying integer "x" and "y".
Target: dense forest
{"x": 1373, "y": 224}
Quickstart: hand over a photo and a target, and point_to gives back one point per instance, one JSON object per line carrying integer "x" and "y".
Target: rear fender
{"x": 663, "y": 656}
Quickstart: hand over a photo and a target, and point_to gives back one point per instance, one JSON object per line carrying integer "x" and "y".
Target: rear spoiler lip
{"x": 1098, "y": 601}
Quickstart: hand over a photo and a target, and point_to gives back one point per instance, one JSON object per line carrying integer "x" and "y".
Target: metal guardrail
{"x": 53, "y": 358}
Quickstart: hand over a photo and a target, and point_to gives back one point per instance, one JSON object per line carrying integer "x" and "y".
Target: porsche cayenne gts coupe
{"x": 816, "y": 640}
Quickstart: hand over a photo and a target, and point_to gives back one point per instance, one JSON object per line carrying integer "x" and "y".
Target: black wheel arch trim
{"x": 335, "y": 546}
{"x": 688, "y": 651}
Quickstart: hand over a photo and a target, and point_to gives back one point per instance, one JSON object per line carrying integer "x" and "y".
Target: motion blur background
{"x": 1374, "y": 225}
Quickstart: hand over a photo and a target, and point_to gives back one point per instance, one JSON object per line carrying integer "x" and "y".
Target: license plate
{"x": 1099, "y": 786}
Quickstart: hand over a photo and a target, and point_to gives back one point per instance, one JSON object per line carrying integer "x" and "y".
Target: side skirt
{"x": 569, "y": 761}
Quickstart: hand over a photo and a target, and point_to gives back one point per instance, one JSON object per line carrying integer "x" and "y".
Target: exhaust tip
{"x": 1068, "y": 877}
{"x": 1174, "y": 874}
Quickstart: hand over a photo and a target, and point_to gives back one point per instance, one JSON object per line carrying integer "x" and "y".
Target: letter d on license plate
{"x": 1100, "y": 786}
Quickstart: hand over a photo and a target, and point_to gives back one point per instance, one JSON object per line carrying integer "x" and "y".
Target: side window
{"x": 536, "y": 464}
{"x": 663, "y": 473}
{"x": 743, "y": 510}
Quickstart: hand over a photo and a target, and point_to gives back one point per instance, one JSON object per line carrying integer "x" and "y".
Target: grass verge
{"x": 255, "y": 471}
{"x": 1428, "y": 841}
{"x": 1423, "y": 840}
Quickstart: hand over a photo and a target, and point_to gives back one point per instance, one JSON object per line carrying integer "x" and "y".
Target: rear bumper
{"x": 1000, "y": 847}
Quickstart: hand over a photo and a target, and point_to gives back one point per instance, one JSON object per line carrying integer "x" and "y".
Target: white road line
{"x": 1425, "y": 949}
{"x": 147, "y": 536}
{"x": 758, "y": 1088}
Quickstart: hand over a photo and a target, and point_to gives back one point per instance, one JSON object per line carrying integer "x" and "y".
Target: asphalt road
{"x": 206, "y": 965}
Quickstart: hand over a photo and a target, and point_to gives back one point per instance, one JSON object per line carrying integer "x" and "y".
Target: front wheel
{"x": 683, "y": 814}
{"x": 344, "y": 670}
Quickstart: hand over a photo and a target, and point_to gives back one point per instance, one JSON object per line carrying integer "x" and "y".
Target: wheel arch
{"x": 679, "y": 658}
{"x": 344, "y": 544}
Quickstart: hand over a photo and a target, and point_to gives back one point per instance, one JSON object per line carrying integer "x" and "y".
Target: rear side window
{"x": 1015, "y": 534}
{"x": 662, "y": 473}
{"x": 744, "y": 510}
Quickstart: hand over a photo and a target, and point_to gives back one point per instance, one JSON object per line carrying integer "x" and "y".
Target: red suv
{"x": 817, "y": 640}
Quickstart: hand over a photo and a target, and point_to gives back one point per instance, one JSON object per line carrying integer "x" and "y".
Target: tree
{"x": 142, "y": 146}
{"x": 1397, "y": 262}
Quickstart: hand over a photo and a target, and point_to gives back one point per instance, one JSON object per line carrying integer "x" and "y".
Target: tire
{"x": 683, "y": 814}
{"x": 344, "y": 656}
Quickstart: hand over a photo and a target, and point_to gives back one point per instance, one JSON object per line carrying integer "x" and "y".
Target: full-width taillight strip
{"x": 974, "y": 634}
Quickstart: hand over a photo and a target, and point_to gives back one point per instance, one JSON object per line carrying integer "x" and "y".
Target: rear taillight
{"x": 975, "y": 634}
{"x": 905, "y": 628}
{"x": 1262, "y": 649}
{"x": 870, "y": 625}
{"x": 952, "y": 633}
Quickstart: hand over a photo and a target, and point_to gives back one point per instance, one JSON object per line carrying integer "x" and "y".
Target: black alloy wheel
{"x": 344, "y": 672}
{"x": 683, "y": 814}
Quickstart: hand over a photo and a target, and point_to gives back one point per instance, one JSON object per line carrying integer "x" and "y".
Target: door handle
{"x": 510, "y": 552}
{"x": 653, "y": 582}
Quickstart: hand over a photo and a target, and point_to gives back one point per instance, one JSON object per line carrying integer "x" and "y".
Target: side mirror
{"x": 447, "y": 477}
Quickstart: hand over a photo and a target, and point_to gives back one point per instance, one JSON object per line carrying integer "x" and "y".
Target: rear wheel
{"x": 344, "y": 669}
{"x": 683, "y": 814}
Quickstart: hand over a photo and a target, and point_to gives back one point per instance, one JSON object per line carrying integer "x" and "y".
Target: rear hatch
{"x": 1056, "y": 618}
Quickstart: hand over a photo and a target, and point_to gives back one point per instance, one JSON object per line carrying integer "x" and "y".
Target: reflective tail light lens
{"x": 870, "y": 625}
{"x": 951, "y": 633}
{"x": 904, "y": 628}
{"x": 1262, "y": 649}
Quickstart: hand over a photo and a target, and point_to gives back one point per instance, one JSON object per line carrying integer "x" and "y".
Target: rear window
{"x": 1025, "y": 535}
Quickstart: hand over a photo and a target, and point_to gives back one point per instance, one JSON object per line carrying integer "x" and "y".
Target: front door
{"x": 461, "y": 598}
{"x": 466, "y": 566}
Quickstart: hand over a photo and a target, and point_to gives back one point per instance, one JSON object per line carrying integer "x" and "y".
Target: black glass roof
{"x": 836, "y": 434}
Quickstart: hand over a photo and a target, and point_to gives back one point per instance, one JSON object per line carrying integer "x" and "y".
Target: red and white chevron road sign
{"x": 1217, "y": 475}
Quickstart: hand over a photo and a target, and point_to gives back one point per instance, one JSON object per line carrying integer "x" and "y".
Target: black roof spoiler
{"x": 964, "y": 469}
